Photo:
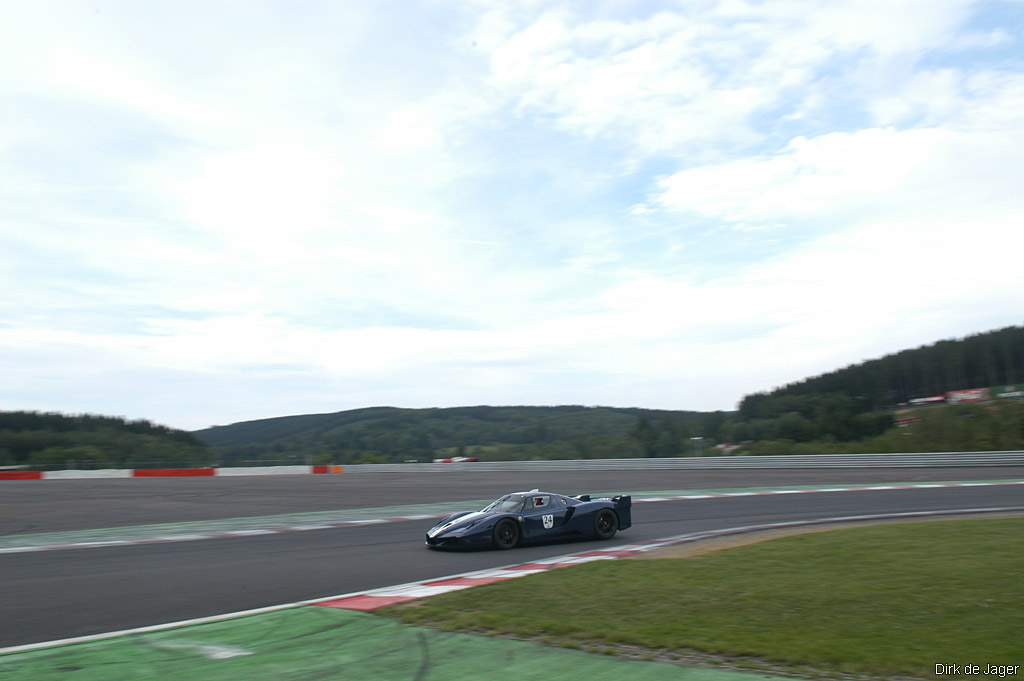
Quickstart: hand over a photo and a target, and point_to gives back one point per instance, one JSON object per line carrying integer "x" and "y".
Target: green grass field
{"x": 883, "y": 601}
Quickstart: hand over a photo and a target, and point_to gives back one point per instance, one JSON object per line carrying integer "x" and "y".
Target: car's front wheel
{"x": 606, "y": 524}
{"x": 506, "y": 534}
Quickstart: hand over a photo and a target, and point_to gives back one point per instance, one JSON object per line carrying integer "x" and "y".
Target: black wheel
{"x": 606, "y": 524}
{"x": 506, "y": 534}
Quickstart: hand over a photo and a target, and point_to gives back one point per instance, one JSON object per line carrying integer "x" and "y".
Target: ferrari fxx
{"x": 534, "y": 516}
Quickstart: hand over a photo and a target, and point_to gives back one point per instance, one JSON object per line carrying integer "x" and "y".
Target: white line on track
{"x": 228, "y": 534}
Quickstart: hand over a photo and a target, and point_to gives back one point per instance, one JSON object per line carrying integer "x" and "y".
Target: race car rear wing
{"x": 620, "y": 501}
{"x": 622, "y": 504}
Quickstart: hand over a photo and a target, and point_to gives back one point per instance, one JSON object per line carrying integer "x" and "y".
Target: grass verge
{"x": 881, "y": 601}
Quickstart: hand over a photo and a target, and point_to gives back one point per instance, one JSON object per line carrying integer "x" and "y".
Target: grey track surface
{"x": 59, "y": 594}
{"x": 33, "y": 506}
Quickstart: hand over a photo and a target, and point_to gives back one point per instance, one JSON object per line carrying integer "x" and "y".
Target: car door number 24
{"x": 549, "y": 521}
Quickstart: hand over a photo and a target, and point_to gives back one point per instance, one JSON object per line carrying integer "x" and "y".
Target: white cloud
{"x": 692, "y": 79}
{"x": 307, "y": 208}
{"x": 835, "y": 175}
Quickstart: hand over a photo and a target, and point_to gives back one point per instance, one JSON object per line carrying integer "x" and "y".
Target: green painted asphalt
{"x": 325, "y": 519}
{"x": 310, "y": 642}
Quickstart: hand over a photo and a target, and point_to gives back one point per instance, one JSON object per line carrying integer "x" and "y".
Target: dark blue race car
{"x": 532, "y": 516}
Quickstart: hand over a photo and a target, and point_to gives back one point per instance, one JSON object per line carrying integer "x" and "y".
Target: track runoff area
{"x": 339, "y": 635}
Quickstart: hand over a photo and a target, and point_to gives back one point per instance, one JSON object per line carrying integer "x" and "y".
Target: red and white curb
{"x": 307, "y": 526}
{"x": 378, "y": 598}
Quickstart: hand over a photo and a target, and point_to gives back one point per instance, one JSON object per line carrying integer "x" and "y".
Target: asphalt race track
{"x": 57, "y": 594}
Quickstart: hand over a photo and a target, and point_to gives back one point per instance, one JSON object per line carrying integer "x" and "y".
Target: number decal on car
{"x": 549, "y": 521}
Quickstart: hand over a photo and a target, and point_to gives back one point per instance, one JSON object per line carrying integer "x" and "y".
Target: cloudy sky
{"x": 219, "y": 211}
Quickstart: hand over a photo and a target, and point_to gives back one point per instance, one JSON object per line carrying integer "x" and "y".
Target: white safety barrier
{"x": 265, "y": 470}
{"x": 803, "y": 461}
{"x": 934, "y": 459}
{"x": 74, "y": 475}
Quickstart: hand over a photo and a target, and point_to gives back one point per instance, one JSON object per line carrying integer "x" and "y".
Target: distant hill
{"x": 485, "y": 432}
{"x": 52, "y": 440}
{"x": 832, "y": 412}
{"x": 978, "y": 361}
{"x": 852, "y": 408}
{"x": 847, "y": 410}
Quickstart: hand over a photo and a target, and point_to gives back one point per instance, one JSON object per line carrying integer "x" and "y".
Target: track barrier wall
{"x": 803, "y": 461}
{"x": 168, "y": 472}
{"x": 800, "y": 461}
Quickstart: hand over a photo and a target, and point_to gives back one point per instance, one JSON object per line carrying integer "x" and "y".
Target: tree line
{"x": 44, "y": 441}
{"x": 849, "y": 410}
{"x": 387, "y": 434}
{"x": 945, "y": 428}
{"x": 977, "y": 361}
{"x": 856, "y": 404}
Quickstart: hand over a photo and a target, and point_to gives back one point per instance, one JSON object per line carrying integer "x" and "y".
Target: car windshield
{"x": 510, "y": 503}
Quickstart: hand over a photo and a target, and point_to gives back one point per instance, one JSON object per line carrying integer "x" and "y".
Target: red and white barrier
{"x": 169, "y": 472}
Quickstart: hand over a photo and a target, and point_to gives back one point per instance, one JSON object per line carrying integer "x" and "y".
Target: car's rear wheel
{"x": 506, "y": 534}
{"x": 606, "y": 524}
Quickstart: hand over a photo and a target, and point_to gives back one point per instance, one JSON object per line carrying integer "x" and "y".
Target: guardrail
{"x": 934, "y": 459}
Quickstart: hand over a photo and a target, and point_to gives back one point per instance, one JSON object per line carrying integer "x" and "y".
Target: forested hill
{"x": 394, "y": 434}
{"x": 851, "y": 405}
{"x": 979, "y": 361}
{"x": 850, "y": 409}
{"x": 52, "y": 440}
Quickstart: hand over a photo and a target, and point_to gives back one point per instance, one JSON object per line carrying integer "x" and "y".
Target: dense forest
{"x": 947, "y": 428}
{"x": 849, "y": 410}
{"x": 858, "y": 402}
{"x": 388, "y": 434}
{"x": 45, "y": 441}
{"x": 875, "y": 406}
{"x": 981, "y": 360}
